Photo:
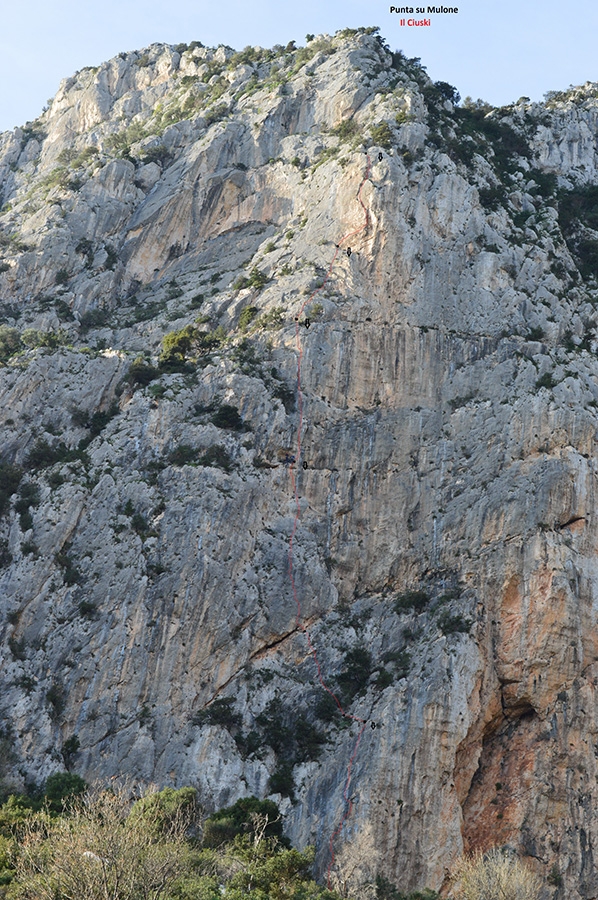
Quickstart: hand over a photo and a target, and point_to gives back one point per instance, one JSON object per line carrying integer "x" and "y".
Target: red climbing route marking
{"x": 297, "y": 456}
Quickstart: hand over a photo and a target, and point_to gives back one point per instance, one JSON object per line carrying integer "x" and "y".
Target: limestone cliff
{"x": 445, "y": 555}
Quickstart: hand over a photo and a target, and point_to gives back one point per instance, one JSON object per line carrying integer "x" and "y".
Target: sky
{"x": 498, "y": 51}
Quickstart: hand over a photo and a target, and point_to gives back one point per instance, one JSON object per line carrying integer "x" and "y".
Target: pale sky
{"x": 498, "y": 51}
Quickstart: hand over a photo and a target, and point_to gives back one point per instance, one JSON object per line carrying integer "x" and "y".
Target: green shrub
{"x": 272, "y": 319}
{"x": 120, "y": 143}
{"x": 174, "y": 291}
{"x": 10, "y": 478}
{"x": 51, "y": 339}
{"x": 32, "y": 131}
{"x": 215, "y": 114}
{"x": 141, "y": 371}
{"x": 535, "y": 334}
{"x": 546, "y": 182}
{"x": 70, "y": 748}
{"x": 55, "y": 479}
{"x": 85, "y": 247}
{"x": 10, "y": 342}
{"x": 249, "y": 744}
{"x": 519, "y": 220}
{"x": 326, "y": 707}
{"x": 493, "y": 197}
{"x": 87, "y": 609}
{"x": 384, "y": 679}
{"x": 18, "y": 648}
{"x": 386, "y": 890}
{"x": 216, "y": 455}
{"x": 85, "y": 157}
{"x": 42, "y": 455}
{"x": 225, "y": 825}
{"x": 256, "y": 279}
{"x": 282, "y": 781}
{"x": 99, "y": 420}
{"x": 62, "y": 276}
{"x": 177, "y": 345}
{"x": 94, "y": 318}
{"x": 309, "y": 740}
{"x": 56, "y": 699}
{"x": 305, "y": 54}
{"x": 219, "y": 712}
{"x": 147, "y": 311}
{"x": 382, "y": 135}
{"x": 579, "y": 205}
{"x": 183, "y": 455}
{"x": 246, "y": 356}
{"x": 453, "y": 624}
{"x": 545, "y": 381}
{"x": 355, "y": 674}
{"x": 5, "y": 554}
{"x": 416, "y": 600}
{"x": 139, "y": 524}
{"x": 58, "y": 177}
{"x": 492, "y": 138}
{"x": 286, "y": 396}
{"x": 211, "y": 340}
{"x": 248, "y": 314}
{"x": 158, "y": 154}
{"x": 61, "y": 787}
{"x": 326, "y": 155}
{"x": 274, "y": 724}
{"x": 585, "y": 251}
{"x": 227, "y": 416}
{"x": 63, "y": 311}
{"x": 70, "y": 573}
{"x": 400, "y": 660}
{"x": 29, "y": 496}
{"x": 346, "y": 129}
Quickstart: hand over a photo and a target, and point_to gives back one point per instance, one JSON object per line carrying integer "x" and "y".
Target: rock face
{"x": 445, "y": 553}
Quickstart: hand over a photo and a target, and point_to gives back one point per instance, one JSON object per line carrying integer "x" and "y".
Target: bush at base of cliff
{"x": 105, "y": 847}
{"x": 386, "y": 890}
{"x": 105, "y": 844}
{"x": 223, "y": 826}
{"x": 494, "y": 876}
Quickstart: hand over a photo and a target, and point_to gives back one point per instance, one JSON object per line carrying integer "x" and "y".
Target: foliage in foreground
{"x": 494, "y": 876}
{"x": 109, "y": 843}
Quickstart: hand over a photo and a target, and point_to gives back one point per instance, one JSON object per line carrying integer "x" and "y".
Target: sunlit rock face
{"x": 445, "y": 554}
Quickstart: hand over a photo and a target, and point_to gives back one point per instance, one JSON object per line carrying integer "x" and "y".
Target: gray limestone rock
{"x": 444, "y": 555}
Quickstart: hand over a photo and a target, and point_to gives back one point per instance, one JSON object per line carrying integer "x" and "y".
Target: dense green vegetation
{"x": 72, "y": 843}
{"x": 578, "y": 219}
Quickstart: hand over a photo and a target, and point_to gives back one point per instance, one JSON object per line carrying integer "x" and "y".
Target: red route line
{"x": 299, "y": 623}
